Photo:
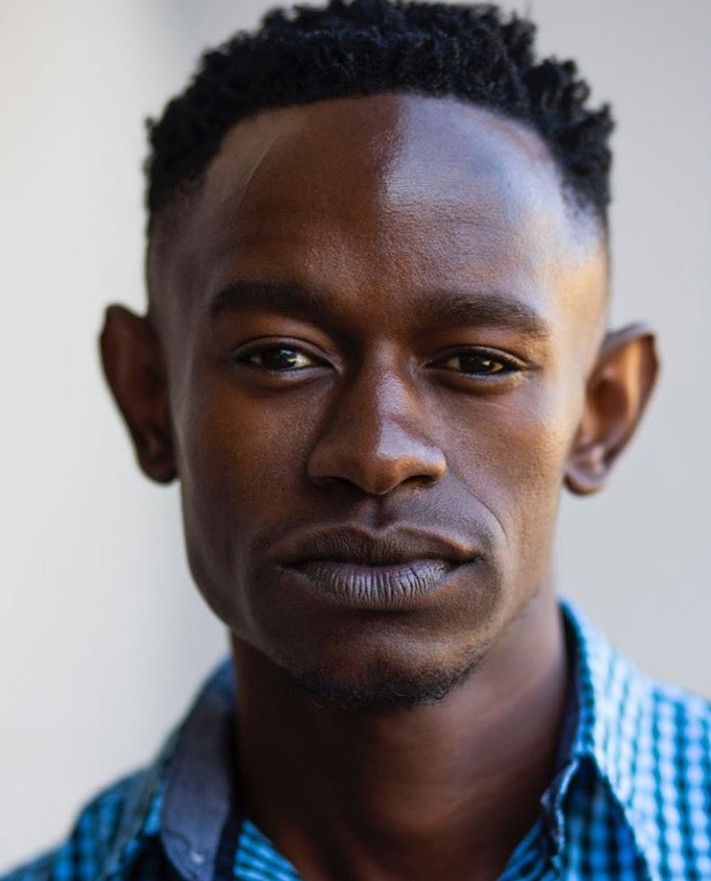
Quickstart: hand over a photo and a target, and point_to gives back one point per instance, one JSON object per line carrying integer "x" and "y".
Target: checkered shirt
{"x": 631, "y": 799}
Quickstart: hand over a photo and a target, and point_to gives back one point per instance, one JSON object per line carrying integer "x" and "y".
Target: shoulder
{"x": 98, "y": 831}
{"x": 684, "y": 706}
{"x": 117, "y": 832}
{"x": 674, "y": 730}
{"x": 657, "y": 757}
{"x": 669, "y": 797}
{"x": 678, "y": 734}
{"x": 651, "y": 745}
{"x": 624, "y": 704}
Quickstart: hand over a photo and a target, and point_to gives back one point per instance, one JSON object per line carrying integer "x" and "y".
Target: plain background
{"x": 104, "y": 639}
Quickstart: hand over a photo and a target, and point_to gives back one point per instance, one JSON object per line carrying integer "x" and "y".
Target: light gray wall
{"x": 103, "y": 637}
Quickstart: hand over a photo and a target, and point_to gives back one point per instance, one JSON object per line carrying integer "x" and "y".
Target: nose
{"x": 375, "y": 437}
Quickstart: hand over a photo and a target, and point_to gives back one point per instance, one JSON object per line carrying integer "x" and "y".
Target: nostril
{"x": 422, "y": 481}
{"x": 332, "y": 481}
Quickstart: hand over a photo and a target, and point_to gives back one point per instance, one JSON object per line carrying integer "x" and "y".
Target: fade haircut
{"x": 365, "y": 47}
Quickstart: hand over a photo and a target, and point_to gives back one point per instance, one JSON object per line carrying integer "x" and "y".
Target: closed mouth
{"x": 375, "y": 584}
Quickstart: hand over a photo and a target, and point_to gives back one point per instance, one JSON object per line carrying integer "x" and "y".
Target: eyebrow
{"x": 287, "y": 298}
{"x": 442, "y": 308}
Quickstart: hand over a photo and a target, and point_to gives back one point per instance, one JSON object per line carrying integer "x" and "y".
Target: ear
{"x": 617, "y": 394}
{"x": 133, "y": 366}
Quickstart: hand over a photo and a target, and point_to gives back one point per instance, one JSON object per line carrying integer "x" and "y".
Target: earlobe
{"x": 617, "y": 394}
{"x": 133, "y": 366}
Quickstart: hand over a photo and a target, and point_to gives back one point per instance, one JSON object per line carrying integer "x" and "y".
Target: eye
{"x": 278, "y": 359}
{"x": 479, "y": 362}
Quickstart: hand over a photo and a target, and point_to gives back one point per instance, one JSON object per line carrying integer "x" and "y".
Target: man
{"x": 375, "y": 349}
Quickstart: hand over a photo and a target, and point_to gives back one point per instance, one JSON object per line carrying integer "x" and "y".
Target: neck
{"x": 444, "y": 790}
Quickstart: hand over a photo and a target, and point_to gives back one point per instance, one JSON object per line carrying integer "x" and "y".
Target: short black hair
{"x": 364, "y": 47}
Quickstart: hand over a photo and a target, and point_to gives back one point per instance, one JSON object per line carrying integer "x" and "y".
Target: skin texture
{"x": 433, "y": 310}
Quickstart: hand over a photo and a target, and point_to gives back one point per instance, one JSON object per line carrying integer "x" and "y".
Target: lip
{"x": 375, "y": 586}
{"x": 365, "y": 569}
{"x": 354, "y": 544}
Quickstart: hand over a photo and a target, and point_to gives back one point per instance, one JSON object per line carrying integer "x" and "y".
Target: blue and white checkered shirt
{"x": 631, "y": 798}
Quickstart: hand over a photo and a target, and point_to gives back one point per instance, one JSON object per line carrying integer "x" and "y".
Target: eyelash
{"x": 244, "y": 358}
{"x": 508, "y": 364}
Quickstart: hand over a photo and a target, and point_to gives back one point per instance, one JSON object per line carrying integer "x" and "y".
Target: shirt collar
{"x": 200, "y": 795}
{"x": 185, "y": 796}
{"x": 139, "y": 818}
{"x": 614, "y": 705}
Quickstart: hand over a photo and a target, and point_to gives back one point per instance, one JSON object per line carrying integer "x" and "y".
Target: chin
{"x": 383, "y": 684}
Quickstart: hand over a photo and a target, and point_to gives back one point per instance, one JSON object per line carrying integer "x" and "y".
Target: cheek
{"x": 511, "y": 455}
{"x": 234, "y": 448}
{"x": 238, "y": 465}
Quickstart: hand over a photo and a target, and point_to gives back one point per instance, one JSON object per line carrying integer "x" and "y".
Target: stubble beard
{"x": 389, "y": 688}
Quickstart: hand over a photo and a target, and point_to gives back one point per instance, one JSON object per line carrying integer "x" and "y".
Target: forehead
{"x": 385, "y": 191}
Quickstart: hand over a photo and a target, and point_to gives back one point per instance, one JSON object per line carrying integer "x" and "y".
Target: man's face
{"x": 378, "y": 319}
